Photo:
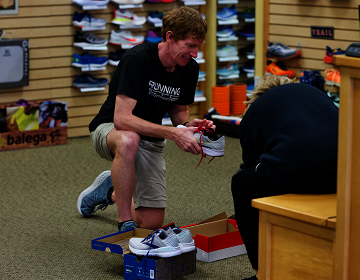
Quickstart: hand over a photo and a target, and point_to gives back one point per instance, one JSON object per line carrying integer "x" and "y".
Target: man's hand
{"x": 184, "y": 138}
{"x": 203, "y": 122}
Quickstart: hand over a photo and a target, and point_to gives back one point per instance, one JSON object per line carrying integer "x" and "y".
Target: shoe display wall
{"x": 235, "y": 42}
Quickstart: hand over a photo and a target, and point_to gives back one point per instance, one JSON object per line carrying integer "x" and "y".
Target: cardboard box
{"x": 217, "y": 238}
{"x": 137, "y": 267}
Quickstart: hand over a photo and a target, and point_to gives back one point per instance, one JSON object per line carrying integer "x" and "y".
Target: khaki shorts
{"x": 150, "y": 186}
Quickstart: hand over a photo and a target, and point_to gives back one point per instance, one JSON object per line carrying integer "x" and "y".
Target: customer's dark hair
{"x": 184, "y": 22}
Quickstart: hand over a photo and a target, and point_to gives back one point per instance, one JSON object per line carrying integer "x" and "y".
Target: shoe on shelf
{"x": 249, "y": 67}
{"x": 227, "y": 51}
{"x": 225, "y": 31}
{"x": 330, "y": 53}
{"x": 89, "y": 81}
{"x": 276, "y": 68}
{"x": 124, "y": 37}
{"x": 229, "y": 69}
{"x": 87, "y": 20}
{"x": 313, "y": 78}
{"x": 159, "y": 243}
{"x": 155, "y": 17}
{"x": 246, "y": 32}
{"x": 248, "y": 50}
{"x": 281, "y": 52}
{"x": 96, "y": 194}
{"x": 88, "y": 60}
{"x": 248, "y": 13}
{"x": 227, "y": 13}
{"x": 332, "y": 77}
{"x": 124, "y": 2}
{"x": 114, "y": 57}
{"x": 153, "y": 36}
{"x": 88, "y": 39}
{"x": 91, "y": 2}
{"x": 185, "y": 239}
{"x": 126, "y": 17}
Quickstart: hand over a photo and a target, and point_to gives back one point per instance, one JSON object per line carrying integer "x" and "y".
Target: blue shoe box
{"x": 138, "y": 267}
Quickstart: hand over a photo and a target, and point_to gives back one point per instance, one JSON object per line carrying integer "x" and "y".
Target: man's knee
{"x": 123, "y": 143}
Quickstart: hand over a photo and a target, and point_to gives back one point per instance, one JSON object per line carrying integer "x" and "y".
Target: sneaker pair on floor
{"x": 163, "y": 243}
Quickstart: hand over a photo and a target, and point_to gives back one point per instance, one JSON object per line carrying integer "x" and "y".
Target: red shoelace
{"x": 201, "y": 129}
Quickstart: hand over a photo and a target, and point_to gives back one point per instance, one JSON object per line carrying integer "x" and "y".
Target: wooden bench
{"x": 296, "y": 236}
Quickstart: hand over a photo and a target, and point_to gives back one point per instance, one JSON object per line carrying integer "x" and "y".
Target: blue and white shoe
{"x": 89, "y": 81}
{"x": 229, "y": 69}
{"x": 96, "y": 194}
{"x": 87, "y": 20}
{"x": 227, "y": 13}
{"x": 88, "y": 60}
{"x": 159, "y": 243}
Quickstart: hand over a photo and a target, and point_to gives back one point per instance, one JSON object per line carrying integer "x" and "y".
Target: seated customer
{"x": 289, "y": 139}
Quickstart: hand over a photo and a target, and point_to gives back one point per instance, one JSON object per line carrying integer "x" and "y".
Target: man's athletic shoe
{"x": 125, "y": 17}
{"x": 91, "y": 2}
{"x": 159, "y": 243}
{"x": 124, "y": 37}
{"x": 227, "y": 51}
{"x": 330, "y": 52}
{"x": 155, "y": 17}
{"x": 225, "y": 31}
{"x": 280, "y": 51}
{"x": 87, "y": 20}
{"x": 246, "y": 32}
{"x": 229, "y": 69}
{"x": 227, "y": 13}
{"x": 89, "y": 81}
{"x": 114, "y": 57}
{"x": 127, "y": 225}
{"x": 276, "y": 68}
{"x": 96, "y": 194}
{"x": 184, "y": 236}
{"x": 128, "y": 1}
{"x": 153, "y": 36}
{"x": 210, "y": 142}
{"x": 332, "y": 77}
{"x": 88, "y": 39}
{"x": 88, "y": 60}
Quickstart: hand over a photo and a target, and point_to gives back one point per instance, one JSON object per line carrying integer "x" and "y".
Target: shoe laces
{"x": 202, "y": 129}
{"x": 102, "y": 207}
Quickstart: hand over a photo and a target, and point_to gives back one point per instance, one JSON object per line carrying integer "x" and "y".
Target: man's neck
{"x": 165, "y": 58}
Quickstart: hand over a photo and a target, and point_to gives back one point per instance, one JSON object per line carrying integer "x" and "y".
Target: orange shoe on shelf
{"x": 276, "y": 68}
{"x": 332, "y": 77}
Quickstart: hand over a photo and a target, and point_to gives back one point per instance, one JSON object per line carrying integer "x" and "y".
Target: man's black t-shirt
{"x": 141, "y": 76}
{"x": 291, "y": 128}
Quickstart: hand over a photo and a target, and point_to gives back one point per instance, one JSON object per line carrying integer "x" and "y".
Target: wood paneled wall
{"x": 48, "y": 26}
{"x": 289, "y": 22}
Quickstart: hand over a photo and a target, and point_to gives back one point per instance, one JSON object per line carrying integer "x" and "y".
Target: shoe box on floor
{"x": 137, "y": 267}
{"x": 217, "y": 238}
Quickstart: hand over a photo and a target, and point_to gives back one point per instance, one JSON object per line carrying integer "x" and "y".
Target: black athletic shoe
{"x": 87, "y": 39}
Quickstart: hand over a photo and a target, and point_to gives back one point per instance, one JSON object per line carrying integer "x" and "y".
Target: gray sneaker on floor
{"x": 96, "y": 194}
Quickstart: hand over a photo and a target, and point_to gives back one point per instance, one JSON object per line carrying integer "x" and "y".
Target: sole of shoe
{"x": 160, "y": 252}
{"x": 187, "y": 247}
{"x": 114, "y": 62}
{"x": 98, "y": 181}
{"x": 269, "y": 55}
{"x": 91, "y": 64}
{"x": 213, "y": 153}
{"x": 84, "y": 45}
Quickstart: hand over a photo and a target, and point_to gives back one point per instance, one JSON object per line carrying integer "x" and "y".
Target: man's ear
{"x": 169, "y": 36}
